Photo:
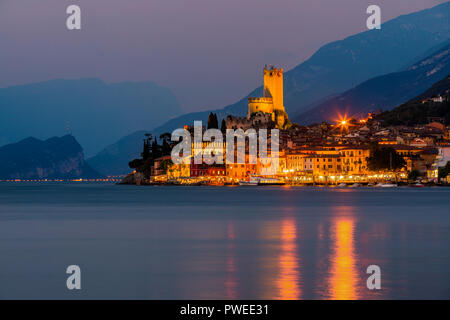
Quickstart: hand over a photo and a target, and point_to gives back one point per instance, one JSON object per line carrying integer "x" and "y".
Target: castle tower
{"x": 272, "y": 100}
{"x": 273, "y": 87}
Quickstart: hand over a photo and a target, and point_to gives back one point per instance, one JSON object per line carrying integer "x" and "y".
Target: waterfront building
{"x": 295, "y": 162}
{"x": 241, "y": 171}
{"x": 161, "y": 165}
{"x": 326, "y": 164}
{"x": 354, "y": 159}
{"x": 178, "y": 171}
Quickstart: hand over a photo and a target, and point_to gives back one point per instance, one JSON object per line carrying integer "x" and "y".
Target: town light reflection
{"x": 343, "y": 274}
{"x": 230, "y": 280}
{"x": 288, "y": 281}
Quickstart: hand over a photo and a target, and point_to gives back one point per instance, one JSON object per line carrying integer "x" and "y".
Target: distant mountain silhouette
{"x": 419, "y": 109}
{"x": 334, "y": 68}
{"x": 115, "y": 158}
{"x": 54, "y": 158}
{"x": 383, "y": 92}
{"x": 96, "y": 112}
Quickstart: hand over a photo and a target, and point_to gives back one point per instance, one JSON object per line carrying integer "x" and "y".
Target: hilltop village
{"x": 350, "y": 151}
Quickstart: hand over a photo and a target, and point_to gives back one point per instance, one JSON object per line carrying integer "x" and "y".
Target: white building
{"x": 443, "y": 157}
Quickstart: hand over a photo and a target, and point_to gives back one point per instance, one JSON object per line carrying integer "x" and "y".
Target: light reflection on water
{"x": 289, "y": 262}
{"x": 223, "y": 243}
{"x": 231, "y": 281}
{"x": 343, "y": 275}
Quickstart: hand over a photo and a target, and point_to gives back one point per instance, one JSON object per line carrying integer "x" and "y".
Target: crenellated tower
{"x": 272, "y": 100}
{"x": 273, "y": 86}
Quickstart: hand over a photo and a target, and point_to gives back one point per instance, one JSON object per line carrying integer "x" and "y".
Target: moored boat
{"x": 417, "y": 185}
{"x": 270, "y": 182}
{"x": 386, "y": 185}
{"x": 262, "y": 181}
{"x": 248, "y": 183}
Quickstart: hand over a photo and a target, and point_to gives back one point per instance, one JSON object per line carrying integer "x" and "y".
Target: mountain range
{"x": 97, "y": 113}
{"x": 334, "y": 68}
{"x": 419, "y": 109}
{"x": 383, "y": 92}
{"x": 54, "y": 158}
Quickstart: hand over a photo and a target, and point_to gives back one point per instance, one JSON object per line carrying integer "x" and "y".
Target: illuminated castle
{"x": 272, "y": 100}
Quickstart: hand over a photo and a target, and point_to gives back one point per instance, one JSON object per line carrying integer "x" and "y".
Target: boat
{"x": 270, "y": 182}
{"x": 342, "y": 185}
{"x": 253, "y": 181}
{"x": 248, "y": 183}
{"x": 386, "y": 185}
{"x": 355, "y": 185}
{"x": 417, "y": 185}
{"x": 215, "y": 183}
{"x": 262, "y": 181}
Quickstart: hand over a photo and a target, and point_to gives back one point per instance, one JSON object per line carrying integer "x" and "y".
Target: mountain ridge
{"x": 419, "y": 109}
{"x": 53, "y": 158}
{"x": 98, "y": 113}
{"x": 383, "y": 92}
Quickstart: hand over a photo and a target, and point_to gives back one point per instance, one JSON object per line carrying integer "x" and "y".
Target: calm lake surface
{"x": 223, "y": 242}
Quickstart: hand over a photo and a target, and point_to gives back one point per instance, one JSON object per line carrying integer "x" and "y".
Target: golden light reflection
{"x": 288, "y": 282}
{"x": 343, "y": 277}
{"x": 230, "y": 280}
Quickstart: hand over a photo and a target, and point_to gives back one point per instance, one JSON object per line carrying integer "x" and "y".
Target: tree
{"x": 166, "y": 139}
{"x": 223, "y": 126}
{"x": 146, "y": 150}
{"x": 166, "y": 164}
{"x": 413, "y": 175}
{"x": 156, "y": 149}
{"x": 212, "y": 121}
{"x": 444, "y": 171}
{"x": 136, "y": 163}
{"x": 151, "y": 151}
{"x": 385, "y": 159}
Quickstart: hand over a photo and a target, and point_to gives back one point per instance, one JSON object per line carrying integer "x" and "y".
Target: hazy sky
{"x": 209, "y": 52}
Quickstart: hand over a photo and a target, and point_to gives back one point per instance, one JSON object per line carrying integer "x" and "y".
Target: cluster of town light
{"x": 355, "y": 177}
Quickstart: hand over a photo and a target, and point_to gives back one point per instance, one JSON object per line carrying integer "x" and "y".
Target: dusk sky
{"x": 209, "y": 52}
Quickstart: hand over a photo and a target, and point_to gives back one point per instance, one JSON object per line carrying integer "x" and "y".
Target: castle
{"x": 267, "y": 111}
{"x": 272, "y": 100}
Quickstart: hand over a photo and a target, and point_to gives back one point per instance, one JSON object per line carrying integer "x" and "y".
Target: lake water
{"x": 154, "y": 242}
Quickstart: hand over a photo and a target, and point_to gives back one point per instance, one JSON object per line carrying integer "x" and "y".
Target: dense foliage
{"x": 213, "y": 123}
{"x": 445, "y": 171}
{"x": 151, "y": 151}
{"x": 385, "y": 158}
